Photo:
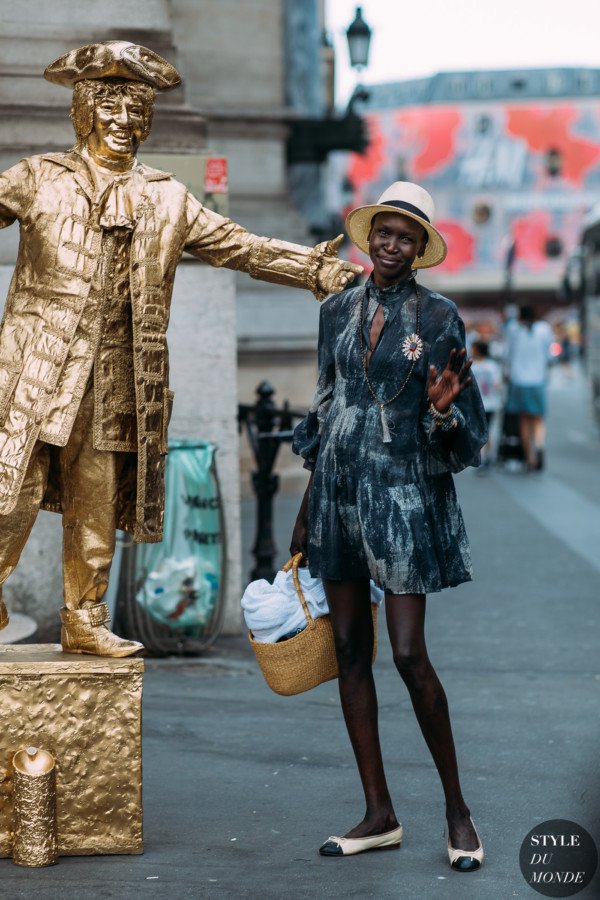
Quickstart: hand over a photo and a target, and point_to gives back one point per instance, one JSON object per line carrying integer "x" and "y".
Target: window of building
{"x": 485, "y": 86}
{"x": 481, "y": 213}
{"x": 483, "y": 124}
{"x": 554, "y": 247}
{"x": 401, "y": 173}
{"x": 555, "y": 82}
{"x": 553, "y": 162}
{"x": 458, "y": 86}
{"x": 586, "y": 82}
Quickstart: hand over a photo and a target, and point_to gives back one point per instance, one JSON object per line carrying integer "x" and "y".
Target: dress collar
{"x": 392, "y": 295}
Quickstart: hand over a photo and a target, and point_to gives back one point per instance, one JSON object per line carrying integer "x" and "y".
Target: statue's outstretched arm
{"x": 220, "y": 242}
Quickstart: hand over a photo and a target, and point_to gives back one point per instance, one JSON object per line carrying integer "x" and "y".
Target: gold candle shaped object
{"x": 34, "y": 795}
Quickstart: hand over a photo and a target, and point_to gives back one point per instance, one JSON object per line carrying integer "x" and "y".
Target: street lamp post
{"x": 313, "y": 139}
{"x": 358, "y": 35}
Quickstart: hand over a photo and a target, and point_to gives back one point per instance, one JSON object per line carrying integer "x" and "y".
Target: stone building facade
{"x": 251, "y": 68}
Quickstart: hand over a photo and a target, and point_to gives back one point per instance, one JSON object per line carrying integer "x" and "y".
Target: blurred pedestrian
{"x": 395, "y": 413}
{"x": 488, "y": 375}
{"x": 565, "y": 355}
{"x": 528, "y": 355}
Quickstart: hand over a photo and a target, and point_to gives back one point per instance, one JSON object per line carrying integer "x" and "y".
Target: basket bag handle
{"x": 293, "y": 564}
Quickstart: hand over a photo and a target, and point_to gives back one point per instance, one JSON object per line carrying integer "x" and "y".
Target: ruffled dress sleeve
{"x": 452, "y": 449}
{"x": 307, "y": 434}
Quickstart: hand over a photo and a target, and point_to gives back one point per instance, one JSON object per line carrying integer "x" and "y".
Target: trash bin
{"x": 171, "y": 594}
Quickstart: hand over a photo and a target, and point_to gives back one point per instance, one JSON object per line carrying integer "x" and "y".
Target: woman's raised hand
{"x": 444, "y": 388}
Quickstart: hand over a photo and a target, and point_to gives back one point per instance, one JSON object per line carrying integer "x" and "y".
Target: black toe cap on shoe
{"x": 330, "y": 848}
{"x": 466, "y": 864}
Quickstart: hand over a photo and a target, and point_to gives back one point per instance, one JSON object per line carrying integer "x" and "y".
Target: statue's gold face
{"x": 118, "y": 127}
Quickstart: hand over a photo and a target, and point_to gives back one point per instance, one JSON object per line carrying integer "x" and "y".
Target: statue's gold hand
{"x": 334, "y": 274}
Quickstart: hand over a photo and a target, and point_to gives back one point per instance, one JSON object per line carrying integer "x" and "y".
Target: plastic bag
{"x": 179, "y": 580}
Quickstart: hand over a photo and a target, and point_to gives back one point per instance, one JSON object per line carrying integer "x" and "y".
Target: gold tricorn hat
{"x": 113, "y": 59}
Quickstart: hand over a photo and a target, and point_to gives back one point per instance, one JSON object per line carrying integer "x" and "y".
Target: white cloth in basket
{"x": 272, "y": 610}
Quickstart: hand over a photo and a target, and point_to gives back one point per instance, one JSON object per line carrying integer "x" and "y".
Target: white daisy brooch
{"x": 412, "y": 347}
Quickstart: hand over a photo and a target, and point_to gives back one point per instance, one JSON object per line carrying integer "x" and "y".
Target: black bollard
{"x": 267, "y": 428}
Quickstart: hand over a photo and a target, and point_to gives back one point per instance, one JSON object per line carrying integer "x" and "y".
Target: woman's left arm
{"x": 453, "y": 418}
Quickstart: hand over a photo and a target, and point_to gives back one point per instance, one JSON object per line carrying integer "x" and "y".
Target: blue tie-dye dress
{"x": 387, "y": 511}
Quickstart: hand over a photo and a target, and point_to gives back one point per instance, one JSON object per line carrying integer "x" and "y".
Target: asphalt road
{"x": 241, "y": 786}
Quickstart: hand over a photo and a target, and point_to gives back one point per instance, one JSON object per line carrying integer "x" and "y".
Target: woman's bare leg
{"x": 538, "y": 429}
{"x": 350, "y": 608}
{"x": 526, "y": 430}
{"x": 406, "y": 625}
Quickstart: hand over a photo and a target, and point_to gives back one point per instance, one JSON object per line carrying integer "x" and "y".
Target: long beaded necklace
{"x": 412, "y": 348}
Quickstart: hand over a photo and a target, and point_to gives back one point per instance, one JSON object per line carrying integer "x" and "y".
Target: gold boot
{"x": 84, "y": 631}
{"x": 3, "y": 615}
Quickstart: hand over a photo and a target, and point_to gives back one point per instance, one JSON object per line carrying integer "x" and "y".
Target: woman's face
{"x": 395, "y": 242}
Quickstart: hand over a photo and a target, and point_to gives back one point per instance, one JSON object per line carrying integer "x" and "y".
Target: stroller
{"x": 510, "y": 448}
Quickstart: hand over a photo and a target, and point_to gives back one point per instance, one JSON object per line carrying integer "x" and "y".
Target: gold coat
{"x": 55, "y": 312}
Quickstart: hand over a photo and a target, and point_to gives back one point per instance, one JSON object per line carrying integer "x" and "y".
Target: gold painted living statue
{"x": 84, "y": 398}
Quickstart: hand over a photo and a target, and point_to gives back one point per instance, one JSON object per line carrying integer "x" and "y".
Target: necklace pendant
{"x": 387, "y": 437}
{"x": 412, "y": 347}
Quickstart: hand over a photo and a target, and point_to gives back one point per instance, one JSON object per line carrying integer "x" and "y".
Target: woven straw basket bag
{"x": 307, "y": 659}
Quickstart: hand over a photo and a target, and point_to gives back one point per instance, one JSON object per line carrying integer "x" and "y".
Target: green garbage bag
{"x": 178, "y": 582}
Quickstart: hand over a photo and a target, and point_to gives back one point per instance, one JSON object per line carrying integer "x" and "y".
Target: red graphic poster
{"x": 553, "y": 128}
{"x": 461, "y": 245}
{"x": 215, "y": 175}
{"x": 432, "y": 133}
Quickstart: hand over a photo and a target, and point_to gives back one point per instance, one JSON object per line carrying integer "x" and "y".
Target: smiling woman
{"x": 394, "y": 414}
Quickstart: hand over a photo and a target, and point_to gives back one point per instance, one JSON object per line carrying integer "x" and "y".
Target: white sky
{"x": 411, "y": 38}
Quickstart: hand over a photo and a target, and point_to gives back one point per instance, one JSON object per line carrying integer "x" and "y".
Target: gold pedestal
{"x": 86, "y": 712}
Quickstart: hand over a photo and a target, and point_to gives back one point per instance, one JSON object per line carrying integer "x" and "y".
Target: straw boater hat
{"x": 410, "y": 200}
{"x": 113, "y": 59}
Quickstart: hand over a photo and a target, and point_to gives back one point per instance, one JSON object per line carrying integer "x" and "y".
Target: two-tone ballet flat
{"x": 466, "y": 860}
{"x": 341, "y": 846}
